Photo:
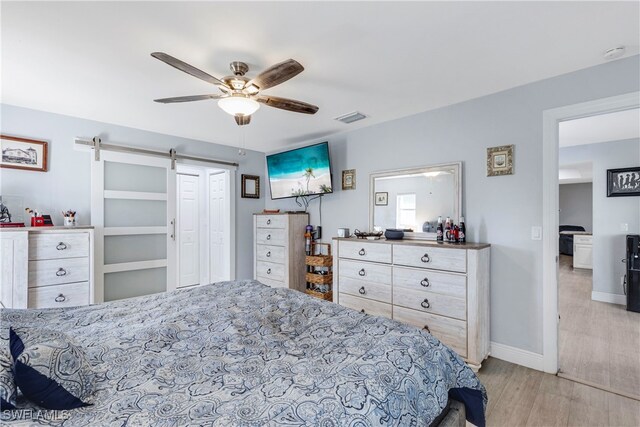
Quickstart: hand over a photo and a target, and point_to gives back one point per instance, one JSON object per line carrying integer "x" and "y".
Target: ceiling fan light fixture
{"x": 252, "y": 89}
{"x": 238, "y": 104}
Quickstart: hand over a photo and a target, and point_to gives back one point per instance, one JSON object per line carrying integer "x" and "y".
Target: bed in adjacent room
{"x": 244, "y": 354}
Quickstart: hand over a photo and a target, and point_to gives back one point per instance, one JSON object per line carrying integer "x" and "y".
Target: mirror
{"x": 412, "y": 199}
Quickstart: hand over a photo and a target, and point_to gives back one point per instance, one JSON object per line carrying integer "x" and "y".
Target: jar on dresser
{"x": 279, "y": 256}
{"x": 46, "y": 267}
{"x": 443, "y": 288}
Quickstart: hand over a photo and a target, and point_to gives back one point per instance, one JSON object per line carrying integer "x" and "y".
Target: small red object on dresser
{"x": 37, "y": 221}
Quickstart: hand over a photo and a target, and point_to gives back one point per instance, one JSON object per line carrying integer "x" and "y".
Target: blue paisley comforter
{"x": 244, "y": 354}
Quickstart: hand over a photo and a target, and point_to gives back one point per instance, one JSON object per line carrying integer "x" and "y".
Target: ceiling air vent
{"x": 351, "y": 117}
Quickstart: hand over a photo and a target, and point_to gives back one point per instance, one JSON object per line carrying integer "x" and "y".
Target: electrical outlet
{"x": 536, "y": 233}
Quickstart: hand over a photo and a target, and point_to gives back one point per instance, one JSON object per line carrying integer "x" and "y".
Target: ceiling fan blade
{"x": 242, "y": 120}
{"x": 287, "y": 104}
{"x": 189, "y": 69}
{"x": 276, "y": 74}
{"x": 188, "y": 98}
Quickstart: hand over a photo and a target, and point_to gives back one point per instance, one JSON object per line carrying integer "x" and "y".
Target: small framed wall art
{"x": 500, "y": 160}
{"x": 22, "y": 153}
{"x": 623, "y": 182}
{"x": 349, "y": 179}
{"x": 250, "y": 186}
{"x": 381, "y": 198}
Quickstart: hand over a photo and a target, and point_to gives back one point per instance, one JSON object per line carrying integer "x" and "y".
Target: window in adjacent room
{"x": 406, "y": 211}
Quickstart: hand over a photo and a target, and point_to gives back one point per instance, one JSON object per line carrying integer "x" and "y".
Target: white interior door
{"x": 188, "y": 230}
{"x": 133, "y": 210}
{"x": 219, "y": 257}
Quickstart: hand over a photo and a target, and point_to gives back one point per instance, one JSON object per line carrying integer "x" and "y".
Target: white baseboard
{"x": 607, "y": 297}
{"x": 517, "y": 356}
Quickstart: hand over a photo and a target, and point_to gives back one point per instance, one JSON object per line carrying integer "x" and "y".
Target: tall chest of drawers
{"x": 59, "y": 269}
{"x": 279, "y": 249}
{"x": 442, "y": 288}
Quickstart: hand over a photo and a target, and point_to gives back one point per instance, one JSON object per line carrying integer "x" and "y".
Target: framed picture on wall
{"x": 500, "y": 160}
{"x": 250, "y": 186}
{"x": 381, "y": 198}
{"x": 22, "y": 153}
{"x": 349, "y": 179}
{"x": 623, "y": 182}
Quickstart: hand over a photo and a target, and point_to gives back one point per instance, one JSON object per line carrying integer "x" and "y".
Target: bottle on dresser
{"x": 462, "y": 236}
{"x": 439, "y": 230}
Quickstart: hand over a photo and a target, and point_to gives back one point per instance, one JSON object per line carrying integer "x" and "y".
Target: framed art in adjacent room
{"x": 381, "y": 198}
{"x": 623, "y": 182}
{"x": 349, "y": 179}
{"x": 250, "y": 186}
{"x": 500, "y": 160}
{"x": 22, "y": 153}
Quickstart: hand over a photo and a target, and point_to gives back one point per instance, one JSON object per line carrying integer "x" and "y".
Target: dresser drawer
{"x": 59, "y": 296}
{"x": 270, "y": 253}
{"x": 56, "y": 246}
{"x": 431, "y": 257}
{"x": 267, "y": 236}
{"x": 270, "y": 270}
{"x": 451, "y": 332}
{"x": 367, "y": 290}
{"x": 365, "y": 251}
{"x": 582, "y": 239}
{"x": 58, "y": 271}
{"x": 365, "y": 271}
{"x": 367, "y": 306}
{"x": 271, "y": 221}
{"x": 430, "y": 302}
{"x": 428, "y": 280}
{"x": 272, "y": 283}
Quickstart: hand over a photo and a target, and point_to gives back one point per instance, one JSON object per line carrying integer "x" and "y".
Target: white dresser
{"x": 583, "y": 251}
{"x": 50, "y": 267}
{"x": 279, "y": 249}
{"x": 443, "y": 288}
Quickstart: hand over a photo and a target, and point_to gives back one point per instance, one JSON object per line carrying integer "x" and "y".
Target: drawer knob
{"x": 426, "y": 328}
{"x": 60, "y": 298}
{"x": 268, "y": 271}
{"x": 425, "y": 282}
{"x": 268, "y": 236}
{"x": 61, "y": 246}
{"x": 362, "y": 291}
{"x": 269, "y": 254}
{"x": 61, "y": 272}
{"x": 362, "y": 272}
{"x": 425, "y": 303}
{"x": 425, "y": 258}
{"x": 268, "y": 221}
{"x": 362, "y": 252}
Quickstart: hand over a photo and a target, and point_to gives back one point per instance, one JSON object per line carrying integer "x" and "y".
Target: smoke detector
{"x": 614, "y": 53}
{"x": 351, "y": 117}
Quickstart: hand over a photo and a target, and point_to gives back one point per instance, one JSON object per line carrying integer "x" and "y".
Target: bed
{"x": 244, "y": 354}
{"x": 566, "y": 238}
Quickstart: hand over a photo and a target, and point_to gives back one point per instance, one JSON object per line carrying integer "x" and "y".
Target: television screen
{"x": 304, "y": 171}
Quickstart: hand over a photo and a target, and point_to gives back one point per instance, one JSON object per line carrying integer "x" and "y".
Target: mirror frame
{"x": 457, "y": 207}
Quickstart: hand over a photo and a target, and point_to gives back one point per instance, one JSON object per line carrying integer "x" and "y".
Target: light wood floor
{"x": 520, "y": 396}
{"x": 599, "y": 342}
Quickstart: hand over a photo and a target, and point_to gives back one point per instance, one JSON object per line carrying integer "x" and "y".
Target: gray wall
{"x": 609, "y": 212}
{"x": 576, "y": 205}
{"x": 67, "y": 184}
{"x": 498, "y": 210}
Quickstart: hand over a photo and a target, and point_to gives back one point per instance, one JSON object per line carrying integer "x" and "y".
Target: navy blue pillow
{"x": 50, "y": 370}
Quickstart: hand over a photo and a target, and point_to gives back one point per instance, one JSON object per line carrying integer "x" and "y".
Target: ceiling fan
{"x": 241, "y": 96}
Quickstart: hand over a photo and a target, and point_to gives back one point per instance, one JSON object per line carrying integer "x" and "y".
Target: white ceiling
{"x": 386, "y": 59}
{"x": 575, "y": 173}
{"x": 616, "y": 126}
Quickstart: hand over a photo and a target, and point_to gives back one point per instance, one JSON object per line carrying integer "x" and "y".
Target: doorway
{"x": 586, "y": 327}
{"x": 203, "y": 225}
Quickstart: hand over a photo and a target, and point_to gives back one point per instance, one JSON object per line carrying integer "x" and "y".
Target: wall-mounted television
{"x": 304, "y": 171}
